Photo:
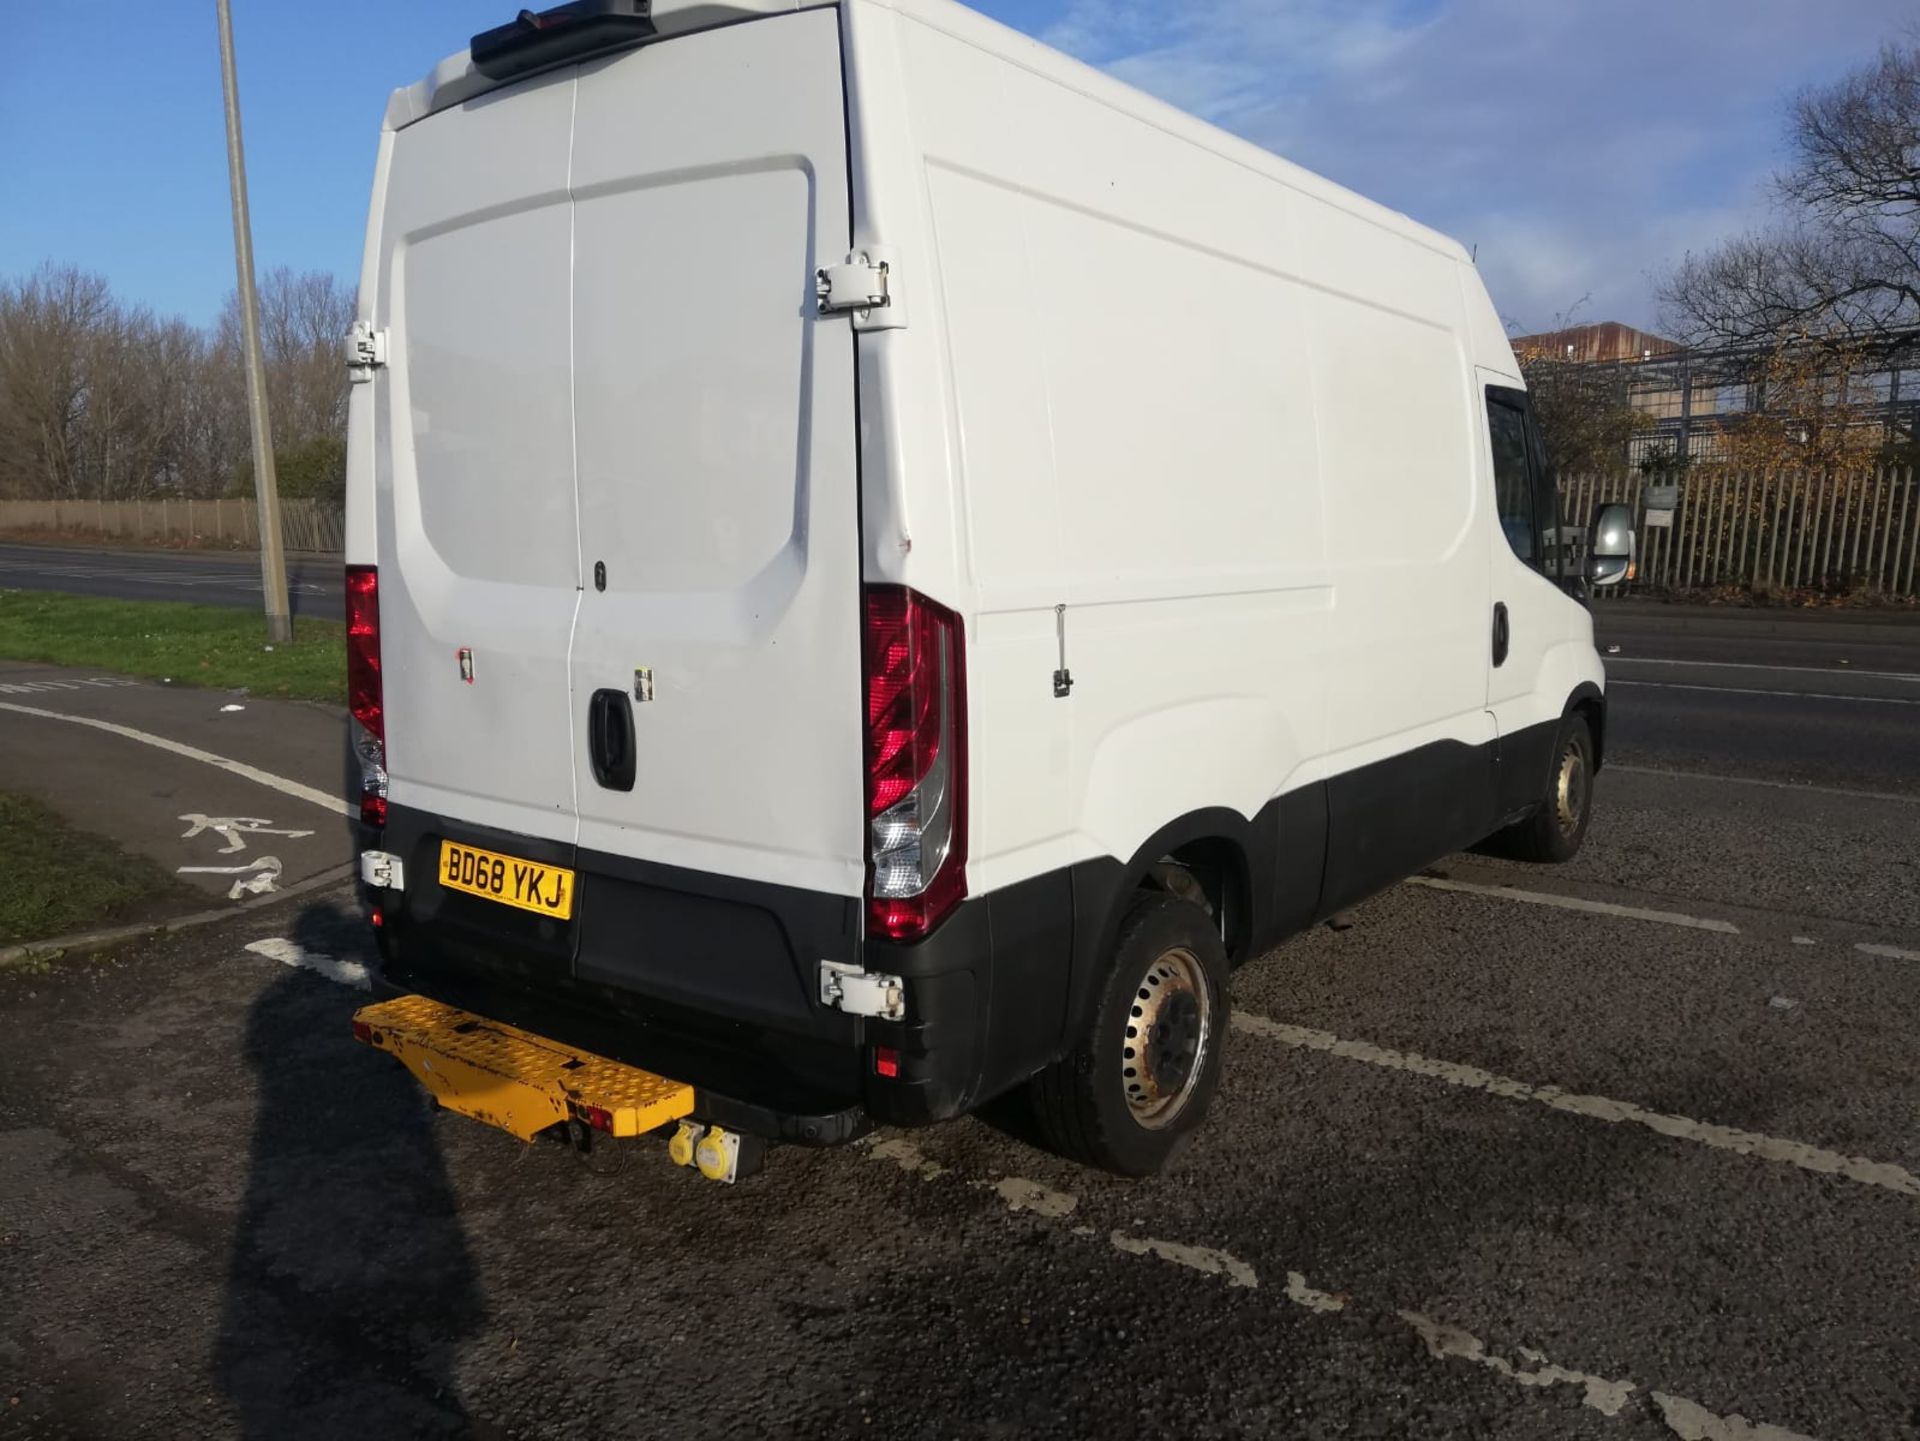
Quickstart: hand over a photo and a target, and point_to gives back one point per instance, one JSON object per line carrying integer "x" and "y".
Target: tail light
{"x": 365, "y": 697}
{"x": 915, "y": 667}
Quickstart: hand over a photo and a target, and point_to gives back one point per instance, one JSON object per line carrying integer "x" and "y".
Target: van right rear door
{"x": 718, "y": 485}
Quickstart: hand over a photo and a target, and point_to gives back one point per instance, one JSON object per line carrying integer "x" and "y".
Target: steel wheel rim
{"x": 1570, "y": 789}
{"x": 1169, "y": 1027}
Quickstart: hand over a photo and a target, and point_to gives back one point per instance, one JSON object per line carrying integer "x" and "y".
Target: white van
{"x": 882, "y": 561}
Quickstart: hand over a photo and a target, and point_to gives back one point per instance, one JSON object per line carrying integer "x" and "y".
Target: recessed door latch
{"x": 862, "y": 993}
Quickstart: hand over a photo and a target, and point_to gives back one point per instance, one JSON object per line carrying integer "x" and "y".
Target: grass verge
{"x": 59, "y": 880}
{"x": 200, "y": 645}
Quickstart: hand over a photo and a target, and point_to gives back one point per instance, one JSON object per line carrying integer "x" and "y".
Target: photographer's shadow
{"x": 350, "y": 1288}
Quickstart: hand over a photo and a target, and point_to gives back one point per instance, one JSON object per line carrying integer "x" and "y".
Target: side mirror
{"x": 1610, "y": 545}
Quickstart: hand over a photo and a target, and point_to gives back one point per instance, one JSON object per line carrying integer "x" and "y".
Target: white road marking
{"x": 1575, "y": 903}
{"x": 194, "y": 753}
{"x": 1783, "y": 669}
{"x": 1816, "y": 1159}
{"x": 256, "y": 878}
{"x": 1691, "y": 1421}
{"x": 1204, "y": 1259}
{"x": 233, "y": 829}
{"x": 1892, "y": 953}
{"x": 1748, "y": 690}
{"x": 41, "y": 687}
{"x": 908, "y": 1158}
{"x": 1446, "y": 1342}
{"x": 1024, "y": 1195}
{"x": 1855, "y": 795}
{"x": 1301, "y": 1294}
{"x": 291, "y": 953}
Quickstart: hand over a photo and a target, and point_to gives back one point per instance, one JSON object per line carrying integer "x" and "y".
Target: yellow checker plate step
{"x": 512, "y": 1079}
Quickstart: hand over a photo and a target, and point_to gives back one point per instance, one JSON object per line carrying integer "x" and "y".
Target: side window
{"x": 1513, "y": 478}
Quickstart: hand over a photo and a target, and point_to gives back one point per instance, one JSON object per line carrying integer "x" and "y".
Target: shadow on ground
{"x": 352, "y": 1287}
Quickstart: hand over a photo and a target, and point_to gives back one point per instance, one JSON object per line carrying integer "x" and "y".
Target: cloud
{"x": 1582, "y": 148}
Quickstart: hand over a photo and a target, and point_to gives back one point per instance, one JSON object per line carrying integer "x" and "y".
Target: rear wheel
{"x": 1137, "y": 1085}
{"x": 1558, "y": 825}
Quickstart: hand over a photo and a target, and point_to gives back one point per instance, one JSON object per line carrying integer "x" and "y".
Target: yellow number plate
{"x": 546, "y": 890}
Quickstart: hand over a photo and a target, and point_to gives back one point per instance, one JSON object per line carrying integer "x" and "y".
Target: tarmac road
{"x": 1623, "y": 1149}
{"x": 315, "y": 584}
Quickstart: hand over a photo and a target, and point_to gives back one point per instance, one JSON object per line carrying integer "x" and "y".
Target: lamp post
{"x": 273, "y": 561}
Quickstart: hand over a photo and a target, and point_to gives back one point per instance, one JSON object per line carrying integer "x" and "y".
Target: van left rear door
{"x": 478, "y": 537}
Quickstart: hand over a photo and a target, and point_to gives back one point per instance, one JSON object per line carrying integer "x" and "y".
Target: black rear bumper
{"x": 713, "y": 980}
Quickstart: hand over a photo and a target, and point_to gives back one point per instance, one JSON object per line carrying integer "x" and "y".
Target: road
{"x": 315, "y": 585}
{"x": 1623, "y": 1149}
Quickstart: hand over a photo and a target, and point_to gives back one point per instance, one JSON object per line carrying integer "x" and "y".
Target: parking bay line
{"x": 1633, "y": 913}
{"x": 1748, "y": 690}
{"x": 1816, "y": 1159}
{"x": 1784, "y": 669}
{"x": 1845, "y": 792}
{"x": 194, "y": 753}
{"x": 1577, "y": 903}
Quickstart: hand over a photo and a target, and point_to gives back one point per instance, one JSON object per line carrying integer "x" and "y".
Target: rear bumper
{"x": 714, "y": 981}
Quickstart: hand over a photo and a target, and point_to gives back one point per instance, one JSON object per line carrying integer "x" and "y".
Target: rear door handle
{"x": 1501, "y": 635}
{"x": 610, "y": 743}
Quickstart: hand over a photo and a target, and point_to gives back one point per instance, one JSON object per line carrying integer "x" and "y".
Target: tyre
{"x": 1558, "y": 825}
{"x": 1137, "y": 1083}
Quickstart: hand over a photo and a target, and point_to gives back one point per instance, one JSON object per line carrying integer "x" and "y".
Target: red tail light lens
{"x": 914, "y": 661}
{"x": 365, "y": 696}
{"x": 363, "y": 649}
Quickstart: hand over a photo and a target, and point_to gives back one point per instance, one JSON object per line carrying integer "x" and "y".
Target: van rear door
{"x": 478, "y": 539}
{"x": 714, "y": 423}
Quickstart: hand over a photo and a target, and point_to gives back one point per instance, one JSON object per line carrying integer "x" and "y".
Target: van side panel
{"x": 1133, "y": 441}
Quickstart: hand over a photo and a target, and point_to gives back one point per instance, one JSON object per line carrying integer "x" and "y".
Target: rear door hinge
{"x": 866, "y": 286}
{"x": 383, "y": 871}
{"x": 862, "y": 993}
{"x": 366, "y": 351}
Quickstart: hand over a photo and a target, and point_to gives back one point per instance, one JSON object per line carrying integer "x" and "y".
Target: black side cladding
{"x": 541, "y": 39}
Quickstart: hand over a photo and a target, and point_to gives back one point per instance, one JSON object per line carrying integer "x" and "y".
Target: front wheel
{"x": 1137, "y": 1085}
{"x": 1558, "y": 825}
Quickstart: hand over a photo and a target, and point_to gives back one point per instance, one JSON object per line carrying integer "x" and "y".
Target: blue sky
{"x": 1580, "y": 145}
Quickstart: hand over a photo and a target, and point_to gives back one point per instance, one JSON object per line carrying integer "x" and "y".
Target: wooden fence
{"x": 305, "y": 525}
{"x": 1836, "y": 535}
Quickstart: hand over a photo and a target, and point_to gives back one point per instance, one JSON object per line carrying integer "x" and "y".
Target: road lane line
{"x": 1784, "y": 669}
{"x": 1816, "y": 1159}
{"x": 1756, "y": 781}
{"x": 1576, "y": 903}
{"x": 193, "y": 753}
{"x": 1892, "y": 953}
{"x": 1747, "y": 690}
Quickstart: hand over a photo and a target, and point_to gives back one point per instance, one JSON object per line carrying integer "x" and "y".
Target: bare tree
{"x": 46, "y": 322}
{"x": 103, "y": 400}
{"x": 1845, "y": 256}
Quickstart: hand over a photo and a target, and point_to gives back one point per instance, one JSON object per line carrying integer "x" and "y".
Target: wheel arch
{"x": 1589, "y": 702}
{"x": 1219, "y": 847}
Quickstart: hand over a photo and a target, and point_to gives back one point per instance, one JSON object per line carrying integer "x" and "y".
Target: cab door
{"x": 1532, "y": 609}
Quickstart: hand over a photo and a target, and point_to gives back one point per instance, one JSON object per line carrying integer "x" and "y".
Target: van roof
{"x": 456, "y": 79}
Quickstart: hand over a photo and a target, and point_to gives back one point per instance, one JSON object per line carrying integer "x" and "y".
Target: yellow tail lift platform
{"x": 514, "y": 1080}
